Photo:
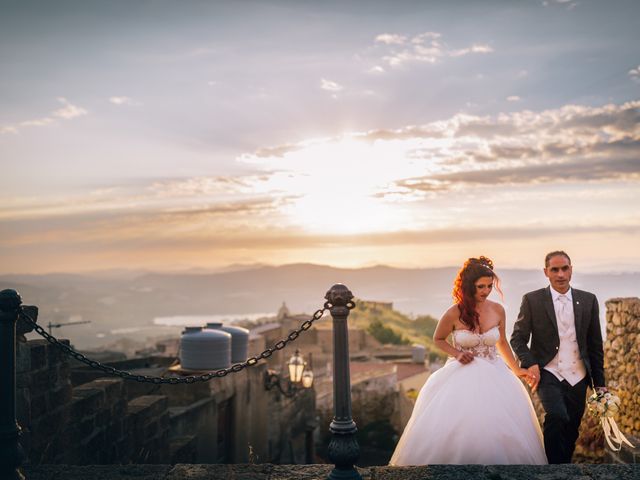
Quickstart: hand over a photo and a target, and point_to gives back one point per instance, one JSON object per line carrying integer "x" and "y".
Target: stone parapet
{"x": 313, "y": 472}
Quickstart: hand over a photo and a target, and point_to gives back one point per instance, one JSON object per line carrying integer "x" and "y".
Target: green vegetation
{"x": 392, "y": 327}
{"x": 385, "y": 334}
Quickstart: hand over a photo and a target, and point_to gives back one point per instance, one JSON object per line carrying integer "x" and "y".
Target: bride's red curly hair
{"x": 464, "y": 288}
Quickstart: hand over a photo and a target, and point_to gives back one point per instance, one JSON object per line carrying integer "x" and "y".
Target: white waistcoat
{"x": 567, "y": 364}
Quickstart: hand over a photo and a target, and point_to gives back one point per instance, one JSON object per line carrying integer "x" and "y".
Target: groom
{"x": 565, "y": 354}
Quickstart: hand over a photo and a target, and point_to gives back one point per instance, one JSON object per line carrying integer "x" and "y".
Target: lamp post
{"x": 299, "y": 377}
{"x": 343, "y": 448}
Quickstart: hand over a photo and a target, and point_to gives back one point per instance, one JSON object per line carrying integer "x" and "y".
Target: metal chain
{"x": 249, "y": 362}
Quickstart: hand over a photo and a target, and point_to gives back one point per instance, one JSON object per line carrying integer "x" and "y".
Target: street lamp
{"x": 299, "y": 378}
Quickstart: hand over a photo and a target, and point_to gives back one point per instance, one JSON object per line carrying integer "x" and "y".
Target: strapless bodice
{"x": 480, "y": 344}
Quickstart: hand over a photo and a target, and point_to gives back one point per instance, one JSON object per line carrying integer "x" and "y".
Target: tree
{"x": 385, "y": 334}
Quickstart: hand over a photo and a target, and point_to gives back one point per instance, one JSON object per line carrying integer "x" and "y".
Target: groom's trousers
{"x": 564, "y": 406}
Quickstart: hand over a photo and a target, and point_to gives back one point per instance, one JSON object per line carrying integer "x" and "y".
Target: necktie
{"x": 564, "y": 311}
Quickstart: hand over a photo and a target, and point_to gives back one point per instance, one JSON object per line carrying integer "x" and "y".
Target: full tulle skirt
{"x": 479, "y": 413}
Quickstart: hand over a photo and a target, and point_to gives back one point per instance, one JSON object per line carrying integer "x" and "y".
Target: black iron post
{"x": 343, "y": 448}
{"x": 11, "y": 453}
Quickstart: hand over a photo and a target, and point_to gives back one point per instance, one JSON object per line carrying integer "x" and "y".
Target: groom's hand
{"x": 534, "y": 377}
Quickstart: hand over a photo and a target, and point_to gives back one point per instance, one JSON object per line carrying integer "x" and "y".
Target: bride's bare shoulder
{"x": 495, "y": 306}
{"x": 451, "y": 313}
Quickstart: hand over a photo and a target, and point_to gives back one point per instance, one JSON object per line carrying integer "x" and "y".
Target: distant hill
{"x": 126, "y": 300}
{"x": 419, "y": 330}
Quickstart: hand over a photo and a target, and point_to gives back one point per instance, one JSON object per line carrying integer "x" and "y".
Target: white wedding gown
{"x": 479, "y": 413}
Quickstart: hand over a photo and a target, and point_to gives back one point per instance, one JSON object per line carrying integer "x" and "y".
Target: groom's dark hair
{"x": 550, "y": 255}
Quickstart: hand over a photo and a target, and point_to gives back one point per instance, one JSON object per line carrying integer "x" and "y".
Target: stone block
{"x": 97, "y": 472}
{"x": 23, "y": 357}
{"x": 23, "y": 406}
{"x": 164, "y": 421}
{"x": 40, "y": 381}
{"x": 144, "y": 408}
{"x": 118, "y": 408}
{"x": 95, "y": 441}
{"x": 55, "y": 355}
{"x": 86, "y": 426}
{"x": 113, "y": 388}
{"x": 23, "y": 380}
{"x": 60, "y": 396}
{"x": 183, "y": 449}
{"x": 150, "y": 430}
{"x": 64, "y": 373}
{"x": 38, "y": 353}
{"x": 86, "y": 401}
{"x": 38, "y": 406}
{"x": 103, "y": 417}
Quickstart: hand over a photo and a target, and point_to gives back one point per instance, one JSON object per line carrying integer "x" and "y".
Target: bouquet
{"x": 604, "y": 405}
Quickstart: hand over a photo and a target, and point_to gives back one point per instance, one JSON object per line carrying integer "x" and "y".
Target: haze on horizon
{"x": 163, "y": 135}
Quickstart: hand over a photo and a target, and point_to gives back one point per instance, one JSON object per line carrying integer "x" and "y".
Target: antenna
{"x": 58, "y": 325}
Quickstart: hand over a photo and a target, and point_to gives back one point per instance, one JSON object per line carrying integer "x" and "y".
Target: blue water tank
{"x": 239, "y": 340}
{"x": 205, "y": 349}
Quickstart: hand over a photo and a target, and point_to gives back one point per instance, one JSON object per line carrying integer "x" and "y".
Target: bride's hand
{"x": 528, "y": 378}
{"x": 464, "y": 357}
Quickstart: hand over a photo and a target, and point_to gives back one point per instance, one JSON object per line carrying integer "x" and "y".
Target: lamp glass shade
{"x": 296, "y": 367}
{"x": 307, "y": 379}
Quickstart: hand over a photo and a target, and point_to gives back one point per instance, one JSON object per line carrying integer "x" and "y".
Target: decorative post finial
{"x": 10, "y": 300}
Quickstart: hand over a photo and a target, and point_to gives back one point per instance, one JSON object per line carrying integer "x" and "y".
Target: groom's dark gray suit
{"x": 563, "y": 403}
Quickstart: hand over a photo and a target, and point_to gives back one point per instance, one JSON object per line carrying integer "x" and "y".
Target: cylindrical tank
{"x": 205, "y": 349}
{"x": 239, "y": 340}
{"x": 417, "y": 353}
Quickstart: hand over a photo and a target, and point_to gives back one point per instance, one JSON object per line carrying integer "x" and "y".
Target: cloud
{"x": 425, "y": 47}
{"x": 376, "y": 69}
{"x": 572, "y": 144}
{"x": 568, "y": 4}
{"x": 8, "y": 129}
{"x": 391, "y": 39}
{"x": 67, "y": 112}
{"x": 176, "y": 194}
{"x": 634, "y": 73}
{"x": 513, "y": 98}
{"x": 330, "y": 86}
{"x": 38, "y": 122}
{"x": 278, "y": 151}
{"x": 471, "y": 49}
{"x": 120, "y": 101}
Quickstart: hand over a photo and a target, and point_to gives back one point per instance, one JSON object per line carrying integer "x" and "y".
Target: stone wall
{"x": 108, "y": 420}
{"x": 622, "y": 355}
{"x": 92, "y": 423}
{"x": 43, "y": 400}
{"x": 622, "y": 371}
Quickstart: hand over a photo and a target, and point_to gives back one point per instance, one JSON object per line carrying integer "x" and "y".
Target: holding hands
{"x": 532, "y": 377}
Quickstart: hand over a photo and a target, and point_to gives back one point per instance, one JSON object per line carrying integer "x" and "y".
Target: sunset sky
{"x": 181, "y": 134}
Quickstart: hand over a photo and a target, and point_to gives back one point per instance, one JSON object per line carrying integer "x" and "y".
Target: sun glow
{"x": 339, "y": 186}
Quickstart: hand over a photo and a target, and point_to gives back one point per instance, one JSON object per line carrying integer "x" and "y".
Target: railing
{"x": 17, "y": 319}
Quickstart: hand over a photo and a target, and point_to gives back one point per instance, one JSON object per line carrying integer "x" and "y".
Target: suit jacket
{"x": 537, "y": 319}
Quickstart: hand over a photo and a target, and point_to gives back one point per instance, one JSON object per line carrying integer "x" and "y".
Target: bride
{"x": 473, "y": 410}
